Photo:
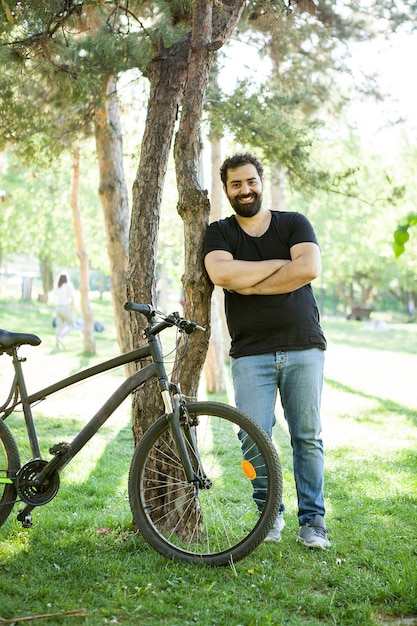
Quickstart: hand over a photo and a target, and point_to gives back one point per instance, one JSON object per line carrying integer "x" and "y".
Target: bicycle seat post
{"x": 21, "y": 384}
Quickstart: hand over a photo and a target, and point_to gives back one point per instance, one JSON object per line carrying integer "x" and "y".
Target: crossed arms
{"x": 270, "y": 277}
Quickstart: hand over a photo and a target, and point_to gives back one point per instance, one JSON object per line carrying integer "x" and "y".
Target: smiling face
{"x": 244, "y": 190}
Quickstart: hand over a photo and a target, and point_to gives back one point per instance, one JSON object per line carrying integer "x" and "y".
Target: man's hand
{"x": 305, "y": 266}
{"x": 271, "y": 277}
{"x": 233, "y": 275}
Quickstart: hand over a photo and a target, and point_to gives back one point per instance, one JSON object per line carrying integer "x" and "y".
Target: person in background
{"x": 64, "y": 303}
{"x": 411, "y": 310}
{"x": 264, "y": 261}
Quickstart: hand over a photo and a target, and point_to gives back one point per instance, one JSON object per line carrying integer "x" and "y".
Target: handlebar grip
{"x": 188, "y": 327}
{"x": 145, "y": 309}
{"x": 170, "y": 320}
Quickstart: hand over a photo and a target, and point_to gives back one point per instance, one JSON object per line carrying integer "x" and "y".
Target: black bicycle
{"x": 190, "y": 485}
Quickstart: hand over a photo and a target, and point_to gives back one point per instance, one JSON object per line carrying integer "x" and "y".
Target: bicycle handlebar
{"x": 173, "y": 319}
{"x": 145, "y": 309}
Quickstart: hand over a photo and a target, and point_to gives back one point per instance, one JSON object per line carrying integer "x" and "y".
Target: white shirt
{"x": 64, "y": 294}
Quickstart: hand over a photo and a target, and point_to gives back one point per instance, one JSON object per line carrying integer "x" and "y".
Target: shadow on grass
{"x": 386, "y": 405}
{"x": 105, "y": 487}
{"x": 375, "y": 477}
{"x": 117, "y": 577}
{"x": 91, "y": 572}
{"x": 398, "y": 337}
{"x": 27, "y": 317}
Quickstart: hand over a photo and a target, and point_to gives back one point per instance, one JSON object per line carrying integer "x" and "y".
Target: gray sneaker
{"x": 275, "y": 532}
{"x": 314, "y": 535}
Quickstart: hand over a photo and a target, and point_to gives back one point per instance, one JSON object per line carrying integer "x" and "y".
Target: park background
{"x": 360, "y": 128}
{"x": 367, "y": 146}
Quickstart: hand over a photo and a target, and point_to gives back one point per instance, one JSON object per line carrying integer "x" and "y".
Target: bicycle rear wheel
{"x": 9, "y": 464}
{"x": 216, "y": 522}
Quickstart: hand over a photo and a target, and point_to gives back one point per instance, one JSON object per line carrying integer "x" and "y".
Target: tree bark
{"x": 45, "y": 265}
{"x": 167, "y": 73}
{"x": 193, "y": 204}
{"x": 212, "y": 25}
{"x": 277, "y": 189}
{"x": 114, "y": 200}
{"x": 214, "y": 370}
{"x": 89, "y": 341}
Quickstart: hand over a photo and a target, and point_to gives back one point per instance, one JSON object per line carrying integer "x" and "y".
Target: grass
{"x": 81, "y": 555}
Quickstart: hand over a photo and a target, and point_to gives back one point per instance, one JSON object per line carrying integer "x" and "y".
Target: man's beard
{"x": 246, "y": 209}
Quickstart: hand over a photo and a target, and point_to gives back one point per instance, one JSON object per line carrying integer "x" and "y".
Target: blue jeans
{"x": 298, "y": 375}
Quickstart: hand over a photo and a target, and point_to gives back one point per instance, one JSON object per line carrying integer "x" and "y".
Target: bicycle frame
{"x": 64, "y": 452}
{"x": 180, "y": 520}
{"x": 21, "y": 396}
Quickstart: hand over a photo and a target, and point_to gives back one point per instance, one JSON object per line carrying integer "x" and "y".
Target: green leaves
{"x": 401, "y": 234}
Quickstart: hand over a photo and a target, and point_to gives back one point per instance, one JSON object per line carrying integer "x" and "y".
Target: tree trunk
{"x": 89, "y": 341}
{"x": 114, "y": 200}
{"x": 211, "y": 27}
{"x": 214, "y": 370}
{"x": 167, "y": 73}
{"x": 46, "y": 275}
{"x": 277, "y": 189}
{"x": 193, "y": 204}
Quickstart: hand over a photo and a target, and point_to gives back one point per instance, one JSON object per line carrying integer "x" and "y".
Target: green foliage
{"x": 56, "y": 63}
{"x": 355, "y": 228}
{"x": 282, "y": 118}
{"x": 268, "y": 124}
{"x": 401, "y": 234}
{"x": 265, "y": 122}
{"x": 36, "y": 217}
{"x": 35, "y": 211}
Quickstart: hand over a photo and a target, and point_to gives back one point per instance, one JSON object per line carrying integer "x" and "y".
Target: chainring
{"x": 28, "y": 487}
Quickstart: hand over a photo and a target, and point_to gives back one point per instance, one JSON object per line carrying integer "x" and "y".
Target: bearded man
{"x": 265, "y": 261}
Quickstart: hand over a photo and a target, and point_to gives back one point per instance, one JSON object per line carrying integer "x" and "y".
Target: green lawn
{"x": 81, "y": 555}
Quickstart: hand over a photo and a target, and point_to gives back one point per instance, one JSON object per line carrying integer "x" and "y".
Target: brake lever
{"x": 188, "y": 327}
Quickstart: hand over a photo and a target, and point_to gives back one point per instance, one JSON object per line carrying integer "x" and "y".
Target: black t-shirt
{"x": 268, "y": 323}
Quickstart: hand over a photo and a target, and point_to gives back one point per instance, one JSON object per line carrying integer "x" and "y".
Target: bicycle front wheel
{"x": 9, "y": 464}
{"x": 214, "y": 520}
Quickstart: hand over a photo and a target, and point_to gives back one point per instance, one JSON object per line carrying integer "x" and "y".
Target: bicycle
{"x": 189, "y": 485}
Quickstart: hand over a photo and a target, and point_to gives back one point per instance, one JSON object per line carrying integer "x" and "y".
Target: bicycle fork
{"x": 185, "y": 439}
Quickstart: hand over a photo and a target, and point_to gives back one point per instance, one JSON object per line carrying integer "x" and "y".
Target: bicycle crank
{"x": 33, "y": 491}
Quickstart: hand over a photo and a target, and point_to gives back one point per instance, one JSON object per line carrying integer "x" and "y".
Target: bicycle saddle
{"x": 13, "y": 340}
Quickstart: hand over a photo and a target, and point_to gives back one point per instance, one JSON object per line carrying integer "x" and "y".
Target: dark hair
{"x": 62, "y": 279}
{"x": 237, "y": 160}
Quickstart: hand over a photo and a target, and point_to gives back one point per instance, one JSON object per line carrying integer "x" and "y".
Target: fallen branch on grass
{"x": 30, "y": 618}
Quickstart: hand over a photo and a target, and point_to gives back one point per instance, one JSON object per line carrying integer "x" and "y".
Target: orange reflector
{"x": 248, "y": 470}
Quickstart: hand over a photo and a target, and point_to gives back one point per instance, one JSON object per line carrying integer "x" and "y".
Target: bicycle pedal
{"x": 25, "y": 519}
{"x": 60, "y": 448}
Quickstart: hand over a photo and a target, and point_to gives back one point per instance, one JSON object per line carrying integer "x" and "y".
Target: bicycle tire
{"x": 9, "y": 464}
{"x": 215, "y": 526}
